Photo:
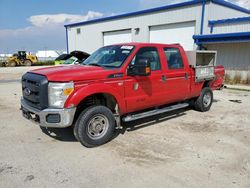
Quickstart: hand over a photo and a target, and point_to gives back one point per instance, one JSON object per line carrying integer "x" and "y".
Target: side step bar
{"x": 154, "y": 112}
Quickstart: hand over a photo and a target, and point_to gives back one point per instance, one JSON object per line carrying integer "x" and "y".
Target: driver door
{"x": 145, "y": 91}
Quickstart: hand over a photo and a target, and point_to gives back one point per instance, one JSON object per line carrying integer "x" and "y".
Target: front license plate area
{"x": 29, "y": 115}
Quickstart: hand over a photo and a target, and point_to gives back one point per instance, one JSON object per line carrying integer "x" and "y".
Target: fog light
{"x": 53, "y": 118}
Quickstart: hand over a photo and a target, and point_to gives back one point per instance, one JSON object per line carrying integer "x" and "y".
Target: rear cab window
{"x": 174, "y": 58}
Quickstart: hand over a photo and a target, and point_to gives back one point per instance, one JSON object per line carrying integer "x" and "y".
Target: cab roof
{"x": 141, "y": 44}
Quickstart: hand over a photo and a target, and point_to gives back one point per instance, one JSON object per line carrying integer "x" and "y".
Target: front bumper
{"x": 64, "y": 117}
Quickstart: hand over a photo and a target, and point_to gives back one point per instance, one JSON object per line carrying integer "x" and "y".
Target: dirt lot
{"x": 14, "y": 73}
{"x": 181, "y": 149}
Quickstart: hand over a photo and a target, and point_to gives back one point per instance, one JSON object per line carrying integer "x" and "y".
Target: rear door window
{"x": 174, "y": 59}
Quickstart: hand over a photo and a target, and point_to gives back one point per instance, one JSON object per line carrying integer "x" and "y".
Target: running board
{"x": 154, "y": 112}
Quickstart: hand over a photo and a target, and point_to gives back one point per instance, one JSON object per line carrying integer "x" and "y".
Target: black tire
{"x": 204, "y": 102}
{"x": 75, "y": 131}
{"x": 27, "y": 62}
{"x": 95, "y": 126}
{"x": 12, "y": 64}
{"x": 2, "y": 64}
{"x": 76, "y": 124}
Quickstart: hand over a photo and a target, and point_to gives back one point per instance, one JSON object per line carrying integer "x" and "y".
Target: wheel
{"x": 204, "y": 102}
{"x": 2, "y": 64}
{"x": 95, "y": 126}
{"x": 12, "y": 64}
{"x": 27, "y": 62}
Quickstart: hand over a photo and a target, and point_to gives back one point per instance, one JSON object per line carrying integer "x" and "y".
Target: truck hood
{"x": 73, "y": 73}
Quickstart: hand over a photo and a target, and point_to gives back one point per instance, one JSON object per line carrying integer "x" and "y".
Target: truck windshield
{"x": 109, "y": 56}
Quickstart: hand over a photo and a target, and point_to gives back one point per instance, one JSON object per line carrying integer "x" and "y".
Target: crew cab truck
{"x": 122, "y": 82}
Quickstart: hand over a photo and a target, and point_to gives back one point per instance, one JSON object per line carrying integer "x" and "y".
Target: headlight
{"x": 58, "y": 93}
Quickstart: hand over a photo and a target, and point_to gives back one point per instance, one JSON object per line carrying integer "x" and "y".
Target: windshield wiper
{"x": 95, "y": 64}
{"x": 112, "y": 66}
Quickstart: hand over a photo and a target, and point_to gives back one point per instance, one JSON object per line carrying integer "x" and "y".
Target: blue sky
{"x": 16, "y": 12}
{"x": 38, "y": 24}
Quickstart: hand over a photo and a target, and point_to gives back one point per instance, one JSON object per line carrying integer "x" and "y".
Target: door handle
{"x": 186, "y": 76}
{"x": 163, "y": 78}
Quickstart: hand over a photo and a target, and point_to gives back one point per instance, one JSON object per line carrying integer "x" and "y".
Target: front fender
{"x": 83, "y": 92}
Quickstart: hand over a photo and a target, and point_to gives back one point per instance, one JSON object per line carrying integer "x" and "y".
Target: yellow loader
{"x": 21, "y": 58}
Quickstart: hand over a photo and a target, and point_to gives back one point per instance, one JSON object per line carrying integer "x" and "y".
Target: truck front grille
{"x": 35, "y": 90}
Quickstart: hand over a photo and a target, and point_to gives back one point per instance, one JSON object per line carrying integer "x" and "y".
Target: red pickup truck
{"x": 122, "y": 82}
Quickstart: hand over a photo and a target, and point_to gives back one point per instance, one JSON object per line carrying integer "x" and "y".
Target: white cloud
{"x": 242, "y": 3}
{"x": 157, "y": 3}
{"x": 45, "y": 31}
{"x": 51, "y": 19}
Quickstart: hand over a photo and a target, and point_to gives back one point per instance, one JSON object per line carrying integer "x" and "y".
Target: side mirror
{"x": 140, "y": 68}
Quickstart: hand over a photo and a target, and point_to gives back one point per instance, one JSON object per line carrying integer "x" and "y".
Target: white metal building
{"x": 212, "y": 24}
{"x": 44, "y": 55}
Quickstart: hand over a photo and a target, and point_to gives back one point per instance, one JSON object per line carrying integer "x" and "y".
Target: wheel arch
{"x": 206, "y": 84}
{"x": 94, "y": 95}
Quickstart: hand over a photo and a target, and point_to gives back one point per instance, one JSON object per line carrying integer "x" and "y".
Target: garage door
{"x": 234, "y": 55}
{"x": 115, "y": 37}
{"x": 174, "y": 33}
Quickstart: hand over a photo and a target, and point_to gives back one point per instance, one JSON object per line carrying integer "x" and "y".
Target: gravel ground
{"x": 181, "y": 149}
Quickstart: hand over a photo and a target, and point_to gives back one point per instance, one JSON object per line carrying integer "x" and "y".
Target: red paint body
{"x": 151, "y": 92}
